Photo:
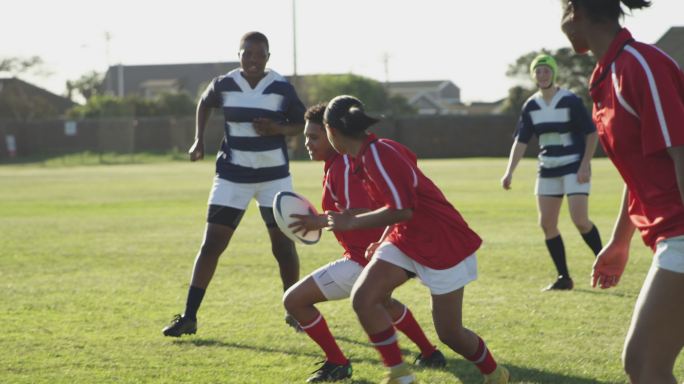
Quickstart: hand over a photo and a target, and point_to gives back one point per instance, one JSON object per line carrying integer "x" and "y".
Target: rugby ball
{"x": 286, "y": 203}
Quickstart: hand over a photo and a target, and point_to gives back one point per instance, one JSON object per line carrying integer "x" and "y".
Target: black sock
{"x": 593, "y": 240}
{"x": 195, "y": 296}
{"x": 557, "y": 251}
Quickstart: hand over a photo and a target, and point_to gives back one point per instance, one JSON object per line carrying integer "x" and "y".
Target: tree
{"x": 574, "y": 72}
{"x": 16, "y": 65}
{"x": 180, "y": 104}
{"x": 371, "y": 92}
{"x": 88, "y": 85}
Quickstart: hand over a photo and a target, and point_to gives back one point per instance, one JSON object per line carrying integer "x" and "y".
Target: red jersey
{"x": 638, "y": 94}
{"x": 436, "y": 236}
{"x": 341, "y": 186}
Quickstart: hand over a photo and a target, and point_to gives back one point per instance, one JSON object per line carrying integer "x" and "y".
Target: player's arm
{"x": 381, "y": 217}
{"x": 611, "y": 261}
{"x": 584, "y": 172}
{"x": 203, "y": 113}
{"x": 677, "y": 155}
{"x": 517, "y": 152}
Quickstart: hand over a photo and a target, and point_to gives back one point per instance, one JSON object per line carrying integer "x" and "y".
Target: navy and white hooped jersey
{"x": 561, "y": 126}
{"x": 245, "y": 156}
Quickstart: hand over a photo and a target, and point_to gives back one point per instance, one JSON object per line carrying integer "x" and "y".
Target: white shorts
{"x": 559, "y": 186}
{"x": 238, "y": 195}
{"x": 440, "y": 281}
{"x": 669, "y": 254}
{"x": 336, "y": 279}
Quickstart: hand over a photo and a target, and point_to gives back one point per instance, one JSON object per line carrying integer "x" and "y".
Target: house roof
{"x": 60, "y": 103}
{"x": 672, "y": 42}
{"x": 189, "y": 77}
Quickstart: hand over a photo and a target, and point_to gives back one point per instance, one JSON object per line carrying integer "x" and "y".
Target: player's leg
{"x": 578, "y": 205}
{"x": 375, "y": 285}
{"x": 227, "y": 201}
{"x": 447, "y": 287}
{"x": 215, "y": 240}
{"x": 549, "y": 200}
{"x": 403, "y": 320}
{"x": 656, "y": 334}
{"x": 448, "y": 318}
{"x": 330, "y": 282}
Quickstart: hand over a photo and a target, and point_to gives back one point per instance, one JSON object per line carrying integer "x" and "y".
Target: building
{"x": 434, "y": 97}
{"x": 24, "y": 101}
{"x": 149, "y": 81}
{"x": 672, "y": 42}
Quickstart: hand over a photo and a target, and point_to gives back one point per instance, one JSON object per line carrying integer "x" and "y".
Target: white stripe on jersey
{"x": 558, "y": 161}
{"x": 415, "y": 177}
{"x": 550, "y": 115}
{"x": 269, "y": 102}
{"x": 242, "y": 130}
{"x": 388, "y": 181}
{"x": 621, "y": 99}
{"x": 261, "y": 159}
{"x": 346, "y": 180}
{"x": 654, "y": 93}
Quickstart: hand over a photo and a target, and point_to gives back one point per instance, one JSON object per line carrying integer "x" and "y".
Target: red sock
{"x": 482, "y": 358}
{"x": 386, "y": 343}
{"x": 408, "y": 325}
{"x": 319, "y": 332}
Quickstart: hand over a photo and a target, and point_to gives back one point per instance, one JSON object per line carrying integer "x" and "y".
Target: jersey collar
{"x": 623, "y": 38}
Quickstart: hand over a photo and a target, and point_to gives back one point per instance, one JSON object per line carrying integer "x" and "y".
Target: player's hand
{"x": 506, "y": 181}
{"x": 609, "y": 265}
{"x": 340, "y": 221}
{"x": 196, "y": 152}
{"x": 266, "y": 127}
{"x": 584, "y": 173}
{"x": 370, "y": 251}
{"x": 308, "y": 223}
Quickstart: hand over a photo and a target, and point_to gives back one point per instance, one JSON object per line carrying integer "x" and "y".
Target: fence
{"x": 429, "y": 136}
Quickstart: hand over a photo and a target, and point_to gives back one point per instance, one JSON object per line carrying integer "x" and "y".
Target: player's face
{"x": 571, "y": 26}
{"x": 316, "y": 142}
{"x": 544, "y": 76}
{"x": 253, "y": 58}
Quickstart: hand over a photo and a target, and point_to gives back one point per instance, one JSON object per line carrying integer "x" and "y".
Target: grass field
{"x": 95, "y": 260}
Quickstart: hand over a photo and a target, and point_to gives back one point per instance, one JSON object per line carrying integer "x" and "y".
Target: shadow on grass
{"x": 223, "y": 344}
{"x": 468, "y": 374}
{"x": 462, "y": 370}
{"x": 608, "y": 292}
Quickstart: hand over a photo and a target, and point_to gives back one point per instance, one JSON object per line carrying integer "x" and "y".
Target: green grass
{"x": 94, "y": 261}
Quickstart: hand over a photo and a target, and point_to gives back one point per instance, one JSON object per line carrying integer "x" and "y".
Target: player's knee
{"x": 361, "y": 302}
{"x": 633, "y": 361}
{"x": 582, "y": 224}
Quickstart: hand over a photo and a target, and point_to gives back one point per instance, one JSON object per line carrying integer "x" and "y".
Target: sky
{"x": 470, "y": 43}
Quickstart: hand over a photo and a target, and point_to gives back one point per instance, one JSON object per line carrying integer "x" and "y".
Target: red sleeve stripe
{"x": 654, "y": 93}
{"x": 621, "y": 99}
{"x": 413, "y": 171}
{"x": 346, "y": 181}
{"x": 388, "y": 181}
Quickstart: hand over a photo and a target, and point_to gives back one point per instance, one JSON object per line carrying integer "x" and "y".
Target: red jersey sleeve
{"x": 656, "y": 86}
{"x": 392, "y": 174}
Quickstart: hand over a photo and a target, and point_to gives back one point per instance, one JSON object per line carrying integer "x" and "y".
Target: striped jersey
{"x": 342, "y": 187}
{"x": 245, "y": 156}
{"x": 436, "y": 235}
{"x": 638, "y": 94}
{"x": 561, "y": 127}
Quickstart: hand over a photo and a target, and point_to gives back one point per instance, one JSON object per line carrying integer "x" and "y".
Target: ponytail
{"x": 609, "y": 10}
{"x": 636, "y": 4}
{"x": 345, "y": 113}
